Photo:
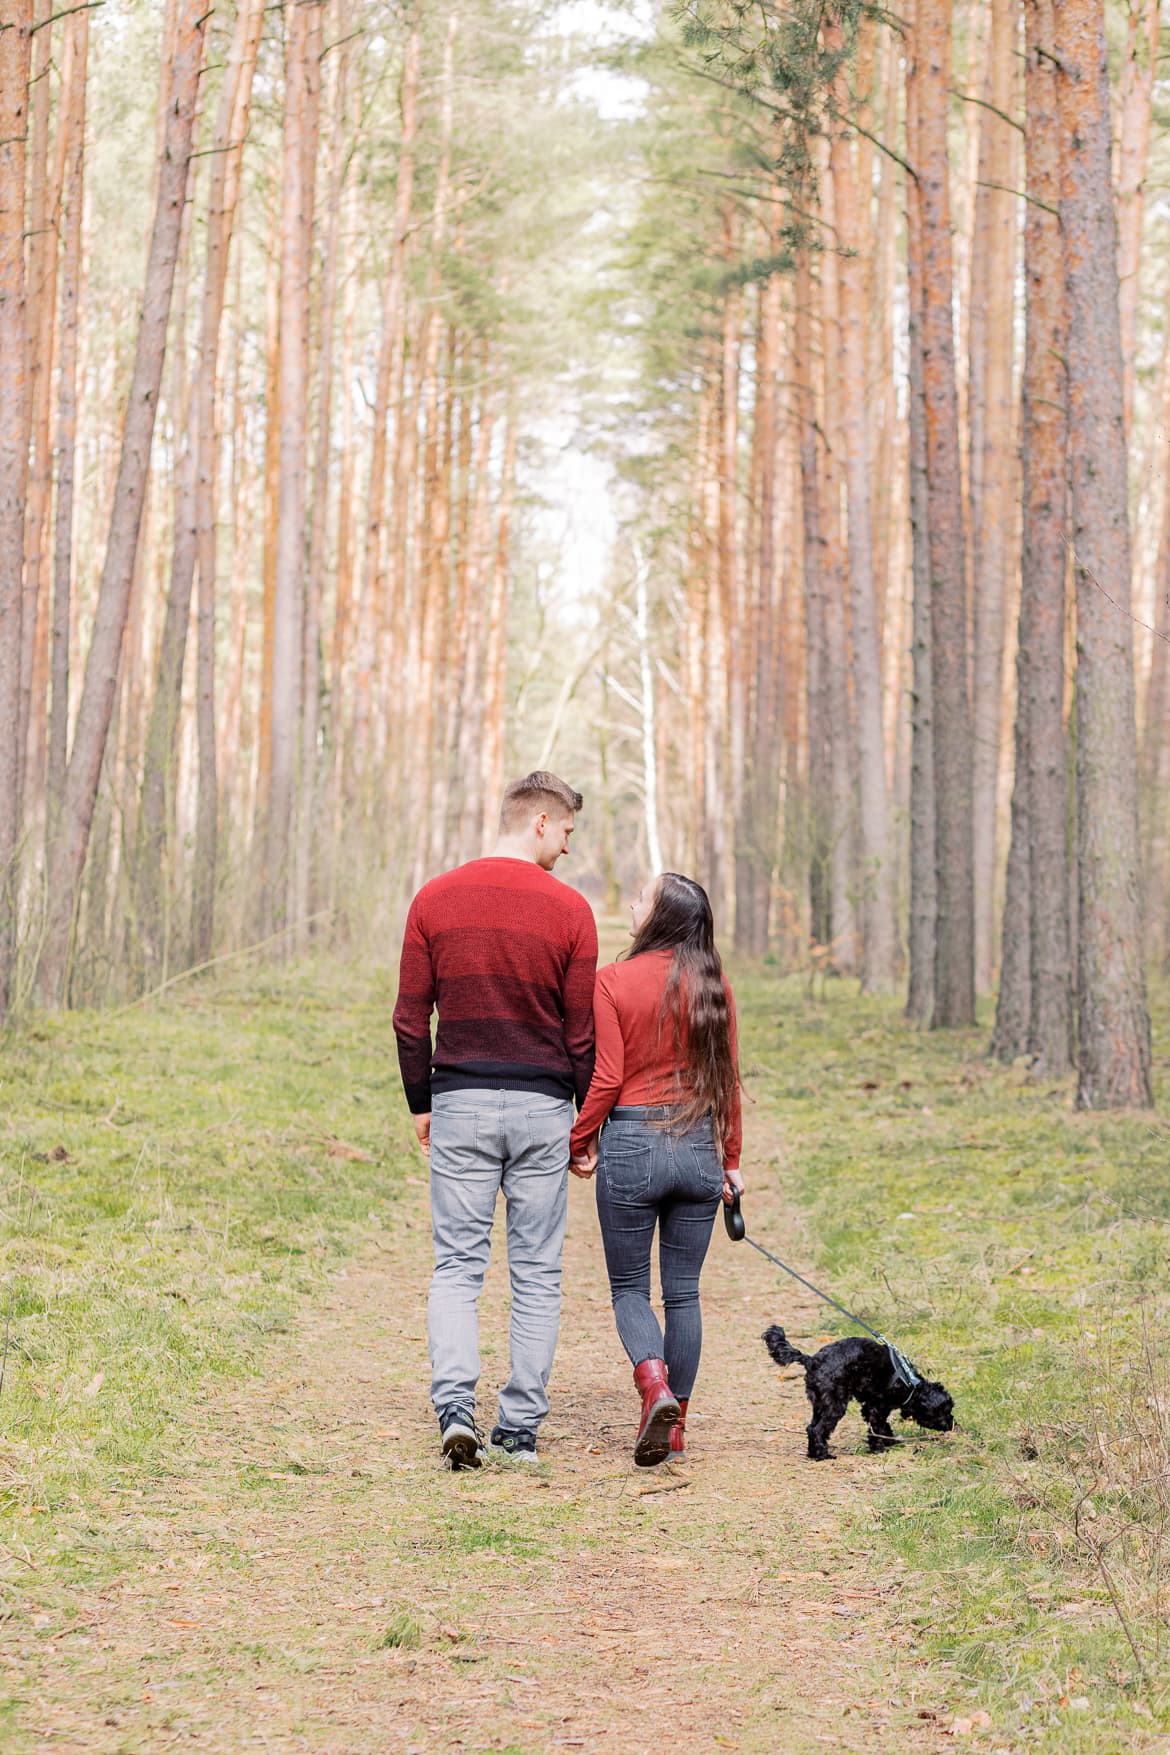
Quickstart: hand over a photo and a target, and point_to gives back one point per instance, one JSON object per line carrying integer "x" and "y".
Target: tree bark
{"x": 879, "y": 937}
{"x": 231, "y": 131}
{"x": 1135, "y": 101}
{"x": 67, "y": 858}
{"x": 991, "y": 450}
{"x": 1113, "y": 1053}
{"x": 302, "y": 27}
{"x": 818, "y": 733}
{"x": 496, "y": 661}
{"x": 923, "y": 877}
{"x": 15, "y": 46}
{"x": 72, "y": 123}
{"x": 1036, "y": 922}
{"x": 954, "y": 982}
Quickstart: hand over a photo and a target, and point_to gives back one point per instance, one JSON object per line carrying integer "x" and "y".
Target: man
{"x": 508, "y": 955}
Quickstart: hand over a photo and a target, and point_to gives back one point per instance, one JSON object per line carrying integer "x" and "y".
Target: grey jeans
{"x": 483, "y": 1142}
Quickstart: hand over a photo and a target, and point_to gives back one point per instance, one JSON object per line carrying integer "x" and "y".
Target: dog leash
{"x": 736, "y": 1227}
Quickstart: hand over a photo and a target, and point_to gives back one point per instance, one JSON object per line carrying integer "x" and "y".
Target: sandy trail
{"x": 727, "y": 1604}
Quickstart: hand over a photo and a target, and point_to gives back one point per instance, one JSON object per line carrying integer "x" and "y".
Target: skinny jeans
{"x": 646, "y": 1179}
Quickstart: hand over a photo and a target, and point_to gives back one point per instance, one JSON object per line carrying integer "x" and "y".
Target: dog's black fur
{"x": 859, "y": 1370}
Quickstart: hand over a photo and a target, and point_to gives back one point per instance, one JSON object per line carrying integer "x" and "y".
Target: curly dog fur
{"x": 859, "y": 1370}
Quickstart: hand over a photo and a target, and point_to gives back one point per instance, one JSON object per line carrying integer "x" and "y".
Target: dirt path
{"x": 729, "y": 1604}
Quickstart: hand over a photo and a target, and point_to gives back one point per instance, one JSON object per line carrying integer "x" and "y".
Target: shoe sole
{"x": 654, "y": 1444}
{"x": 461, "y": 1450}
{"x": 514, "y": 1456}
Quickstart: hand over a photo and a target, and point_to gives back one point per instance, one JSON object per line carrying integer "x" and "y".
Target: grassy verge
{"x": 173, "y": 1182}
{"x": 1018, "y": 1250}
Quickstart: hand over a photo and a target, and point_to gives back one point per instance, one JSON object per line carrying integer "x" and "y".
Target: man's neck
{"x": 506, "y": 848}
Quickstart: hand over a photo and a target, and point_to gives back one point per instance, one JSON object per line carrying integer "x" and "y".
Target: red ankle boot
{"x": 659, "y": 1412}
{"x": 678, "y": 1432}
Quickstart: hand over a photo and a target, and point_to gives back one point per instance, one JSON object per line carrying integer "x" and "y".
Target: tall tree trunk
{"x": 478, "y": 579}
{"x": 72, "y": 123}
{"x": 991, "y": 449}
{"x": 67, "y": 856}
{"x": 1113, "y": 1052}
{"x": 496, "y": 661}
{"x": 231, "y": 130}
{"x": 15, "y": 46}
{"x": 879, "y": 946}
{"x": 373, "y": 611}
{"x": 1035, "y": 1009}
{"x": 923, "y": 873}
{"x": 954, "y": 981}
{"x": 819, "y": 736}
{"x": 309, "y": 813}
{"x": 46, "y": 172}
{"x": 302, "y": 58}
{"x": 1138, "y": 69}
{"x": 755, "y": 840}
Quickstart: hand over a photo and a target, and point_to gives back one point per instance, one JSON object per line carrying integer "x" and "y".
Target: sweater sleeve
{"x": 412, "y": 1013}
{"x": 608, "y": 1070}
{"x": 578, "y": 1002}
{"x": 733, "y": 1144}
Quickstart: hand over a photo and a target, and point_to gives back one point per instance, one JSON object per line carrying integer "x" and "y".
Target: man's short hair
{"x": 536, "y": 792}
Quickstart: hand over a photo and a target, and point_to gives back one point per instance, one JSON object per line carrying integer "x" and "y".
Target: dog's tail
{"x": 782, "y": 1351}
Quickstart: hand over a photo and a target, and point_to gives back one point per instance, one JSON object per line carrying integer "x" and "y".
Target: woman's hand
{"x": 733, "y": 1184}
{"x": 584, "y": 1163}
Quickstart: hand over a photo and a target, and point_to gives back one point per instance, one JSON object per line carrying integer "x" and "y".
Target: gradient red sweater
{"x": 636, "y": 1062}
{"x": 507, "y": 953}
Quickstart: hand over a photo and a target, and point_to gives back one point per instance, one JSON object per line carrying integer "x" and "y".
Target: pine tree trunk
{"x": 67, "y": 856}
{"x": 1113, "y": 1053}
{"x": 843, "y": 769}
{"x": 46, "y": 173}
{"x": 1135, "y": 101}
{"x": 72, "y": 123}
{"x": 816, "y": 664}
{"x": 15, "y": 45}
{"x": 756, "y": 829}
{"x": 1036, "y": 922}
{"x": 954, "y": 981}
{"x": 496, "y": 662}
{"x": 374, "y": 613}
{"x": 478, "y": 583}
{"x": 302, "y": 32}
{"x": 879, "y": 938}
{"x": 991, "y": 450}
{"x": 923, "y": 878}
{"x": 231, "y": 130}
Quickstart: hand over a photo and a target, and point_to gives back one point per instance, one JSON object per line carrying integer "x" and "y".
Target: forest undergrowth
{"x": 180, "y": 1181}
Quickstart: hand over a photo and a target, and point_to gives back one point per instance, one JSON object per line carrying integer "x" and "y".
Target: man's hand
{"x": 585, "y": 1163}
{"x": 422, "y": 1130}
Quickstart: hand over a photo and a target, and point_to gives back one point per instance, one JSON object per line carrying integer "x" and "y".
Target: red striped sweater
{"x": 507, "y": 953}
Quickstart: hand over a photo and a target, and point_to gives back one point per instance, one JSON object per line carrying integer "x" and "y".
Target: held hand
{"x": 422, "y": 1129}
{"x": 584, "y": 1163}
{"x": 733, "y": 1184}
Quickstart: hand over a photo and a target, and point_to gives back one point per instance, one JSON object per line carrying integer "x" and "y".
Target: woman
{"x": 665, "y": 1101}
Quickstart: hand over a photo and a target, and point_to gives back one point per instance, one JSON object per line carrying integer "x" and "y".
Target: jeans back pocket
{"x": 626, "y": 1160}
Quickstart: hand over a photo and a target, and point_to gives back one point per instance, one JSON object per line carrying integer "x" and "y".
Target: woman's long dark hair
{"x": 706, "y": 1076}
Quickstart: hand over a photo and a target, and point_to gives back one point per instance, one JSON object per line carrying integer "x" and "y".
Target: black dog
{"x": 862, "y": 1371}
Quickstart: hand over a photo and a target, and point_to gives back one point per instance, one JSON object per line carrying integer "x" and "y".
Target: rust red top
{"x": 636, "y": 1059}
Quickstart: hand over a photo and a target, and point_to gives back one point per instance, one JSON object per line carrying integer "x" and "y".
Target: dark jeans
{"x": 647, "y": 1177}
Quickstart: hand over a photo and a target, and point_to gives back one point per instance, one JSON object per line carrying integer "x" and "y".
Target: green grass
{"x": 1018, "y": 1250}
{"x": 174, "y": 1182}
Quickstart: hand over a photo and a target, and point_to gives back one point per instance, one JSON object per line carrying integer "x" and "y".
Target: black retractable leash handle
{"x": 733, "y": 1220}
